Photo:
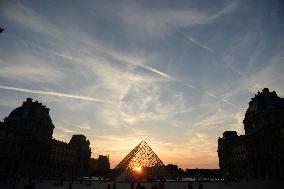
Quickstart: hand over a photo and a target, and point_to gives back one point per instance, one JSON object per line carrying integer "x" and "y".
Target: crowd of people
{"x": 31, "y": 184}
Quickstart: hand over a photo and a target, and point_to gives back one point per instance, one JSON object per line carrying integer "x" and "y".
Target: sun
{"x": 138, "y": 169}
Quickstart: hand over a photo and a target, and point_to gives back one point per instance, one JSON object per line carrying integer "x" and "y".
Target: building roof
{"x": 266, "y": 100}
{"x": 30, "y": 109}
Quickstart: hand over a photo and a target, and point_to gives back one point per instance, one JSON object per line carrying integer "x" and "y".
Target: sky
{"x": 176, "y": 74}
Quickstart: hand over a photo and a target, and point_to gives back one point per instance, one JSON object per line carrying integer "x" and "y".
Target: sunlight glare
{"x": 138, "y": 169}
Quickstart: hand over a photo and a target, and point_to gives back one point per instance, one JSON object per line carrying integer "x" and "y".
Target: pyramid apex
{"x": 143, "y": 142}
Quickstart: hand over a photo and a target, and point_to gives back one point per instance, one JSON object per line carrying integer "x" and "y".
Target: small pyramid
{"x": 142, "y": 156}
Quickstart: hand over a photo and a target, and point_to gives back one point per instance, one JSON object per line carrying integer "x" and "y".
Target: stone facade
{"x": 232, "y": 154}
{"x": 260, "y": 152}
{"x": 27, "y": 148}
{"x": 69, "y": 159}
{"x": 99, "y": 166}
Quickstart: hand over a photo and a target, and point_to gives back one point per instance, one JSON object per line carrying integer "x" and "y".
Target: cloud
{"x": 110, "y": 54}
{"x": 62, "y": 137}
{"x": 29, "y": 18}
{"x": 219, "y": 121}
{"x": 160, "y": 22}
{"x": 65, "y": 130}
{"x": 85, "y": 126}
{"x": 140, "y": 62}
{"x": 114, "y": 80}
{"x": 30, "y": 69}
{"x": 270, "y": 76}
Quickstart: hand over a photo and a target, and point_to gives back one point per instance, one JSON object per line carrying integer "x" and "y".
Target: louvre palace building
{"x": 27, "y": 148}
{"x": 259, "y": 154}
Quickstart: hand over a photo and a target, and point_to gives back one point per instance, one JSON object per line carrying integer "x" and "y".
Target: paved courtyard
{"x": 168, "y": 185}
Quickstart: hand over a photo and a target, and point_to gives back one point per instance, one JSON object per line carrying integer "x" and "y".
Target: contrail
{"x": 222, "y": 99}
{"x": 200, "y": 45}
{"x": 212, "y": 95}
{"x": 197, "y": 43}
{"x": 156, "y": 71}
{"x": 191, "y": 86}
{"x": 52, "y": 93}
{"x": 226, "y": 101}
{"x": 181, "y": 111}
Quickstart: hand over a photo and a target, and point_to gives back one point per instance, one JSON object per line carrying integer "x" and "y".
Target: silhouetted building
{"x": 203, "y": 174}
{"x": 260, "y": 152}
{"x": 232, "y": 154}
{"x": 83, "y": 153}
{"x": 99, "y": 166}
{"x": 173, "y": 171}
{"x": 27, "y": 148}
{"x": 70, "y": 159}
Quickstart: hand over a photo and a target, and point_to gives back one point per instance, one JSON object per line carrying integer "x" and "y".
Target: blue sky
{"x": 176, "y": 74}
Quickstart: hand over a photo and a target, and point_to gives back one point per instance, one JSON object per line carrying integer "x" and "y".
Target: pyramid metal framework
{"x": 141, "y": 156}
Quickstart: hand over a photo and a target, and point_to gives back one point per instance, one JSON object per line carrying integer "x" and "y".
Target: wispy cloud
{"x": 84, "y": 126}
{"x": 65, "y": 130}
{"x": 29, "y": 18}
{"x": 114, "y": 54}
{"x": 172, "y": 78}
{"x": 27, "y": 68}
{"x": 164, "y": 20}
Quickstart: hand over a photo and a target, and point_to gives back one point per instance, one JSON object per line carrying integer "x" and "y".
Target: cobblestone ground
{"x": 168, "y": 185}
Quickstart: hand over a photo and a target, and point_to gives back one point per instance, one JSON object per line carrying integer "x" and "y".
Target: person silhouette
{"x": 108, "y": 186}
{"x": 156, "y": 186}
{"x": 138, "y": 185}
{"x": 70, "y": 186}
{"x": 27, "y": 186}
{"x": 200, "y": 185}
{"x": 132, "y": 185}
{"x": 189, "y": 185}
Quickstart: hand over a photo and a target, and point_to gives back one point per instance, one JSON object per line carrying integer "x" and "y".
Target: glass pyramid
{"x": 141, "y": 157}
